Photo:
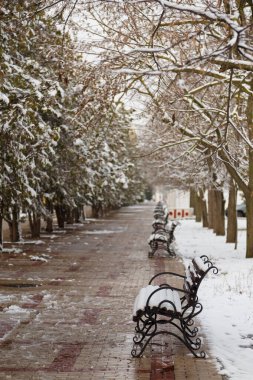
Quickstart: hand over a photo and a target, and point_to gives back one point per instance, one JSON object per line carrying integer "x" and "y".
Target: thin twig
{"x": 49, "y": 6}
{"x": 65, "y": 23}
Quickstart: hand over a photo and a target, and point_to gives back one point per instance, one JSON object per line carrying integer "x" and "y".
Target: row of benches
{"x": 164, "y": 309}
{"x": 162, "y": 236}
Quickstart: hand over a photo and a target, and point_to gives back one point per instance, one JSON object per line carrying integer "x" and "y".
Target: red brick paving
{"x": 66, "y": 357}
{"x": 76, "y": 323}
{"x": 5, "y": 328}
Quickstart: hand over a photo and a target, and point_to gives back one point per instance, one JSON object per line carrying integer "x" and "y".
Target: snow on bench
{"x": 156, "y": 297}
{"x": 158, "y": 223}
{"x": 158, "y": 235}
{"x": 165, "y": 304}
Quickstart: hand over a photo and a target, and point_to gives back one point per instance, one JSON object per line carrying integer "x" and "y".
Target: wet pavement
{"x": 66, "y": 305}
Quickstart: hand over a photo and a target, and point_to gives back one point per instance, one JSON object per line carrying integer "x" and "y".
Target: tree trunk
{"x": 77, "y": 214}
{"x": 219, "y": 220}
{"x": 231, "y": 216}
{"x": 192, "y": 197}
{"x": 198, "y": 208}
{"x": 249, "y": 210}
{"x": 83, "y": 216}
{"x": 97, "y": 210}
{"x": 49, "y": 217}
{"x": 211, "y": 208}
{"x": 49, "y": 224}
{"x": 94, "y": 212}
{"x": 249, "y": 195}
{"x": 203, "y": 208}
{"x": 14, "y": 225}
{"x": 69, "y": 215}
{"x": 193, "y": 200}
{"x": 35, "y": 224}
{"x": 1, "y": 234}
{"x": 60, "y": 215}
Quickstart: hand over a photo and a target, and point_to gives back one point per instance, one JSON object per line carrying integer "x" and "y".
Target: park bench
{"x": 159, "y": 211}
{"x": 167, "y": 310}
{"x": 162, "y": 238}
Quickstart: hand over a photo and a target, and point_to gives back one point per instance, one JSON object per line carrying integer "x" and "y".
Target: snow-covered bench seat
{"x": 158, "y": 223}
{"x": 164, "y": 298}
{"x": 167, "y": 306}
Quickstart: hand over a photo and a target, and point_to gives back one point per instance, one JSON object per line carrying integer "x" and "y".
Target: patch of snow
{"x": 36, "y": 242}
{"x": 38, "y": 258}
{"x": 12, "y": 250}
{"x": 4, "y": 98}
{"x": 78, "y": 142}
{"x": 4, "y": 298}
{"x": 49, "y": 236}
{"x": 14, "y": 309}
{"x": 46, "y": 256}
{"x": 101, "y": 232}
{"x": 227, "y": 316}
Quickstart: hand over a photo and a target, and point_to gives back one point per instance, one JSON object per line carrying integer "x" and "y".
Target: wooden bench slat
{"x": 158, "y": 236}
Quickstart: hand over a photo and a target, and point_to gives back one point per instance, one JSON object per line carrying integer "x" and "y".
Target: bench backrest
{"x": 171, "y": 231}
{"x": 194, "y": 274}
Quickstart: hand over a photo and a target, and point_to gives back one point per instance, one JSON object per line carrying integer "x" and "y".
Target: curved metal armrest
{"x": 170, "y": 273}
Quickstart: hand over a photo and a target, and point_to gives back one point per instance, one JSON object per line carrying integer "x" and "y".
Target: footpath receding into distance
{"x": 66, "y": 306}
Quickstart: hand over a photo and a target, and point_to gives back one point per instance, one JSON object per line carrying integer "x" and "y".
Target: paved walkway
{"x": 70, "y": 317}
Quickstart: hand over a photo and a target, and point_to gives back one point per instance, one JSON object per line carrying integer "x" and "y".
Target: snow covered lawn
{"x": 227, "y": 317}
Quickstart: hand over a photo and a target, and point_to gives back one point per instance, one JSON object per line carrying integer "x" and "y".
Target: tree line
{"x": 192, "y": 63}
{"x": 65, "y": 136}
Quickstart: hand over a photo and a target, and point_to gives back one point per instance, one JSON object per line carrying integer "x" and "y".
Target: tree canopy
{"x": 64, "y": 135}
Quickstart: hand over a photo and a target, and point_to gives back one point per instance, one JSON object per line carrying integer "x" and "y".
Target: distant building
{"x": 173, "y": 198}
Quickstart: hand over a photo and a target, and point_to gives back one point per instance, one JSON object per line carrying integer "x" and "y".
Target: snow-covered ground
{"x": 227, "y": 298}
